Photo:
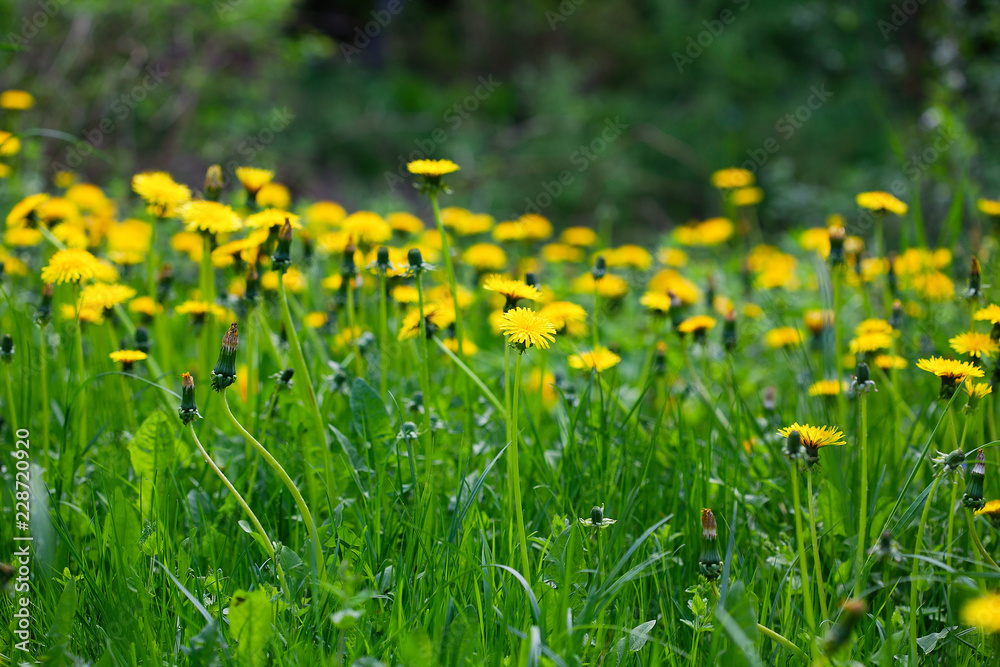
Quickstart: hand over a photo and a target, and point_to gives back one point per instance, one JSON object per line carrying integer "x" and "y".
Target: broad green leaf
{"x": 152, "y": 448}
{"x": 250, "y": 625}
{"x": 415, "y": 649}
{"x": 353, "y": 455}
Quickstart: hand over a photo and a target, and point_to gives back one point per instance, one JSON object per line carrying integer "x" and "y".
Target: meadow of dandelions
{"x": 265, "y": 430}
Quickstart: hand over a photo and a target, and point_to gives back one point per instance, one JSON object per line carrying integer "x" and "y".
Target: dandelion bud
{"x": 382, "y": 264}
{"x": 7, "y": 349}
{"x": 729, "y": 331}
{"x": 837, "y": 236}
{"x": 885, "y": 549}
{"x": 710, "y": 563}
{"x": 252, "y": 293}
{"x": 163, "y": 282}
{"x": 600, "y": 268}
{"x": 676, "y": 316}
{"x": 951, "y": 461}
{"x": 975, "y": 290}
{"x": 282, "y": 257}
{"x": 531, "y": 280}
{"x": 660, "y": 358}
{"x": 283, "y": 380}
{"x": 224, "y": 373}
{"x": 973, "y": 496}
{"x": 842, "y": 630}
{"x": 189, "y": 409}
{"x": 44, "y": 313}
{"x": 416, "y": 259}
{"x": 348, "y": 269}
{"x": 793, "y": 444}
{"x": 142, "y": 341}
{"x": 213, "y": 182}
{"x": 710, "y": 292}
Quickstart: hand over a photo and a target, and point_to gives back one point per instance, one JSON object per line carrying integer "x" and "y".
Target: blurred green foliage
{"x": 698, "y": 86}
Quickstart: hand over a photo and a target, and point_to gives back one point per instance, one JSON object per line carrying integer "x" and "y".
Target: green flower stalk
{"x": 793, "y": 452}
{"x": 598, "y": 272}
{"x": 729, "y": 332}
{"x": 862, "y": 383}
{"x": 915, "y": 572}
{"x": 7, "y": 357}
{"x": 416, "y": 269}
{"x": 382, "y": 267}
{"x": 281, "y": 258}
{"x": 349, "y": 273}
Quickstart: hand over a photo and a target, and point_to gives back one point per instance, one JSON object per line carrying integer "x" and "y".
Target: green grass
{"x": 142, "y": 555}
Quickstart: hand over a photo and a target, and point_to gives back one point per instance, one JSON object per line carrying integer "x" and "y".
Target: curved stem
{"x": 916, "y": 566}
{"x": 974, "y": 534}
{"x": 796, "y": 651}
{"x": 318, "y": 565}
{"x": 267, "y": 544}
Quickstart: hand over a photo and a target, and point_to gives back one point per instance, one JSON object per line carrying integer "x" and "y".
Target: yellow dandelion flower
{"x": 253, "y": 178}
{"x": 4, "y": 170}
{"x": 988, "y": 206}
{"x": 127, "y": 357}
{"x": 974, "y": 344}
{"x": 599, "y": 359}
{"x": 817, "y": 320}
{"x": 698, "y": 324}
{"x": 557, "y": 253}
{"x": 728, "y": 179}
{"x": 827, "y": 388}
{"x": 609, "y": 287}
{"x": 672, "y": 257}
{"x": 582, "y": 237}
{"x": 26, "y": 211}
{"x": 90, "y": 315}
{"x": 274, "y": 195}
{"x": 403, "y": 293}
{"x": 199, "y": 309}
{"x": 873, "y": 325}
{"x": 880, "y": 202}
{"x": 950, "y": 369}
{"x": 513, "y": 290}
{"x": 22, "y": 237}
{"x": 656, "y": 302}
{"x": 293, "y": 280}
{"x": 815, "y": 437}
{"x": 870, "y": 342}
{"x": 316, "y": 319}
{"x": 485, "y": 257}
{"x": 161, "y": 193}
{"x": 977, "y": 390}
{"x": 888, "y": 362}
{"x": 366, "y": 228}
{"x": 991, "y": 509}
{"x": 816, "y": 240}
{"x": 983, "y": 612}
{"x": 526, "y": 328}
{"x": 546, "y": 385}
{"x": 16, "y": 100}
{"x": 432, "y": 168}
{"x": 324, "y": 214}
{"x": 748, "y": 196}
{"x": 209, "y": 217}
{"x": 437, "y": 316}
{"x": 753, "y": 311}
{"x": 144, "y": 305}
{"x": 105, "y": 296}
{"x": 710, "y": 232}
{"x": 784, "y": 337}
{"x": 567, "y": 317}
{"x": 73, "y": 265}
{"x": 468, "y": 347}
{"x": 271, "y": 218}
{"x": 935, "y": 286}
{"x": 9, "y": 144}
{"x": 406, "y": 223}
{"x": 632, "y": 256}
{"x": 536, "y": 227}
{"x": 990, "y": 313}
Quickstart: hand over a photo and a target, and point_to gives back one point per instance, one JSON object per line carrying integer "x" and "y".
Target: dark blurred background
{"x": 631, "y": 104}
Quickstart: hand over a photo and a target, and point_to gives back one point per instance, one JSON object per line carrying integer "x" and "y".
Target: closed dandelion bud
{"x": 382, "y": 260}
{"x": 163, "y": 282}
{"x": 841, "y": 632}
{"x": 7, "y": 349}
{"x": 531, "y": 280}
{"x": 224, "y": 373}
{"x": 793, "y": 444}
{"x": 189, "y": 409}
{"x": 729, "y": 331}
{"x": 975, "y": 290}
{"x": 348, "y": 269}
{"x": 597, "y": 515}
{"x": 885, "y": 549}
{"x": 676, "y": 316}
{"x": 44, "y": 313}
{"x": 951, "y": 462}
{"x": 416, "y": 260}
{"x": 973, "y": 497}
{"x": 282, "y": 257}
{"x": 252, "y": 293}
{"x": 600, "y": 268}
{"x": 710, "y": 292}
{"x": 660, "y": 358}
{"x": 837, "y": 235}
{"x": 142, "y": 341}
{"x": 709, "y": 563}
{"x": 213, "y": 182}
{"x": 995, "y": 332}
{"x": 283, "y": 380}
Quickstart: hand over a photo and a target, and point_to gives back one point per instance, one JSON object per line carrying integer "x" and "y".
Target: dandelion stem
{"x": 352, "y": 328}
{"x": 253, "y": 368}
{"x": 820, "y": 585}
{"x": 11, "y": 405}
{"x": 863, "y": 511}
{"x": 44, "y": 381}
{"x": 450, "y": 269}
{"x": 81, "y": 373}
{"x": 974, "y": 534}
{"x": 267, "y": 544}
{"x": 304, "y": 383}
{"x": 800, "y": 544}
{"x": 915, "y": 572}
{"x": 425, "y": 386}
{"x": 318, "y": 565}
{"x": 383, "y": 335}
{"x": 795, "y": 650}
{"x": 515, "y": 473}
